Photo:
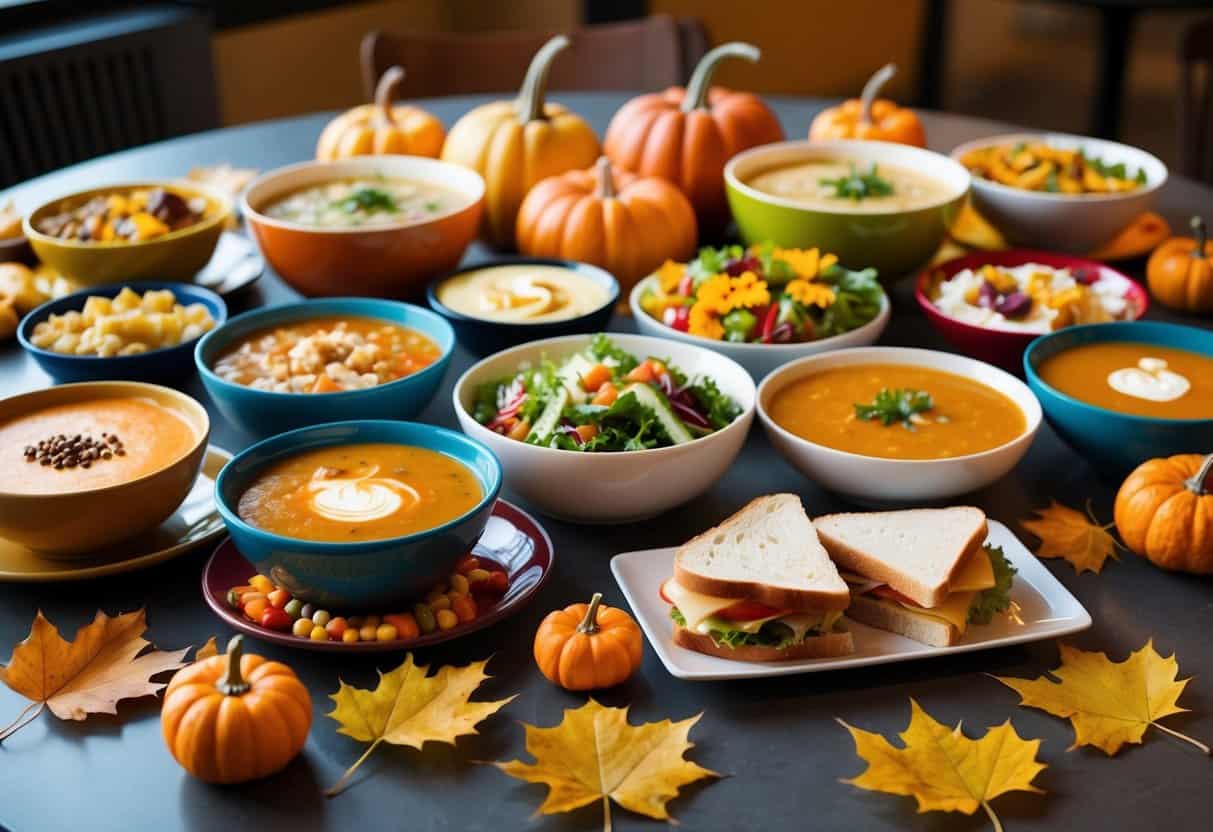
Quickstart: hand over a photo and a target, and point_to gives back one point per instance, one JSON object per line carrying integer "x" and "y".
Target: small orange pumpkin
{"x": 588, "y": 646}
{"x": 1164, "y": 512}
{"x": 382, "y": 127}
{"x": 869, "y": 117}
{"x": 235, "y": 718}
{"x": 1180, "y": 271}
{"x": 687, "y": 136}
{"x": 625, "y": 224}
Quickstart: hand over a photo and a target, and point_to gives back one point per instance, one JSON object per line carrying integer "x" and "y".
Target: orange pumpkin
{"x": 1180, "y": 271}
{"x": 587, "y": 646}
{"x": 381, "y": 127}
{"x": 235, "y": 718}
{"x": 625, "y": 224}
{"x": 1164, "y": 512}
{"x": 514, "y": 144}
{"x": 686, "y": 136}
{"x": 869, "y": 117}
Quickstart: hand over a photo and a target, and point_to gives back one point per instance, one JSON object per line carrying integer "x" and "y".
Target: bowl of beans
{"x": 142, "y": 333}
{"x": 134, "y": 231}
{"x": 330, "y": 360}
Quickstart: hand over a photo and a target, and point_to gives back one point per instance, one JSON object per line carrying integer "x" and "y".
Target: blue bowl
{"x": 265, "y": 412}
{"x": 174, "y": 365}
{"x": 484, "y": 337}
{"x": 1112, "y": 442}
{"x": 375, "y": 574}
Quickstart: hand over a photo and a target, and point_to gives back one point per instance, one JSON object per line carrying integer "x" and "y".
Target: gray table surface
{"x": 776, "y": 739}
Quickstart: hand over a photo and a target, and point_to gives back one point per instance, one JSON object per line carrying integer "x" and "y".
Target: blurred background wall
{"x": 1031, "y": 62}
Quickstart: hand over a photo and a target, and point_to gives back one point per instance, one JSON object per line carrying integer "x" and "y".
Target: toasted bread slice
{"x": 827, "y": 646}
{"x": 767, "y": 552}
{"x": 886, "y": 615}
{"x": 916, "y": 551}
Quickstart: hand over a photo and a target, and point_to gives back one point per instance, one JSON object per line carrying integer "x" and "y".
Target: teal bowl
{"x": 1115, "y": 443}
{"x": 893, "y": 241}
{"x": 266, "y": 412}
{"x": 377, "y": 575}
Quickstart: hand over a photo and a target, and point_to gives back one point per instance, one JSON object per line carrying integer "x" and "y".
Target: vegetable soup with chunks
{"x": 326, "y": 355}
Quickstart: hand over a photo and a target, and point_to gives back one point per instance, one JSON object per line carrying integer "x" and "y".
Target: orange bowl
{"x": 385, "y": 260}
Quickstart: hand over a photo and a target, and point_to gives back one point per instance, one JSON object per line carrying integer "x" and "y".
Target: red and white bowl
{"x": 1004, "y": 347}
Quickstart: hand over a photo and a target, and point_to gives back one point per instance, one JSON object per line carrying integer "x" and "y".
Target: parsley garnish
{"x": 858, "y": 185}
{"x": 370, "y": 200}
{"x": 895, "y": 405}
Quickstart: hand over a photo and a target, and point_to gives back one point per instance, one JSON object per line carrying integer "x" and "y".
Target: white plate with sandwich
{"x": 760, "y": 596}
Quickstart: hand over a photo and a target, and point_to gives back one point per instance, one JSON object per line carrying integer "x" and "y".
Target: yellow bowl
{"x": 75, "y": 523}
{"x": 176, "y": 256}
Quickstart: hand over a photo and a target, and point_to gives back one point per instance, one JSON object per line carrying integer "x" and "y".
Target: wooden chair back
{"x": 650, "y": 53}
{"x": 1196, "y": 101}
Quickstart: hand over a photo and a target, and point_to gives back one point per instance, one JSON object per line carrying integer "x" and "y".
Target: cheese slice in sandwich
{"x": 759, "y": 587}
{"x": 917, "y": 572}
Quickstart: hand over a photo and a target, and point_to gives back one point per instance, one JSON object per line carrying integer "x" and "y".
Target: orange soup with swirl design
{"x": 358, "y": 492}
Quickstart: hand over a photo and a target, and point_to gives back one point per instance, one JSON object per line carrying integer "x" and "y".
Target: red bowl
{"x": 391, "y": 260}
{"x": 1000, "y": 347}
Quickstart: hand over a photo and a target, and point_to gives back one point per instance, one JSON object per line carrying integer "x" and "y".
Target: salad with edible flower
{"x": 603, "y": 398}
{"x": 762, "y": 295}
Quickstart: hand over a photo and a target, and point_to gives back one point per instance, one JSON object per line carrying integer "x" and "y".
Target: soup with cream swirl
{"x": 358, "y": 492}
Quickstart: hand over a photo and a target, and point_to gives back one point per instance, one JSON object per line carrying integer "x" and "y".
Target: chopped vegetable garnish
{"x": 859, "y": 186}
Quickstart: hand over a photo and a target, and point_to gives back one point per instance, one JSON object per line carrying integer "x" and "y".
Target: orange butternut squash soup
{"x": 90, "y": 444}
{"x": 1138, "y": 379}
{"x": 352, "y": 493}
{"x": 897, "y": 411}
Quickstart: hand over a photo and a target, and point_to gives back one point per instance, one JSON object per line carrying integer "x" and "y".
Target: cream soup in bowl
{"x": 522, "y": 293}
{"x": 839, "y": 184}
{"x": 369, "y": 201}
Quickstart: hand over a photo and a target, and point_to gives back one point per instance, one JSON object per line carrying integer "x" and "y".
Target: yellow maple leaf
{"x": 410, "y": 707}
{"x": 86, "y": 676}
{"x": 595, "y": 754}
{"x": 944, "y": 770}
{"x": 1067, "y": 533}
{"x": 1108, "y": 703}
{"x": 211, "y": 648}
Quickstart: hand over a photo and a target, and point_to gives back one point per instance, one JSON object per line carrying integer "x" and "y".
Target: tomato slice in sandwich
{"x": 747, "y": 611}
{"x": 889, "y": 594}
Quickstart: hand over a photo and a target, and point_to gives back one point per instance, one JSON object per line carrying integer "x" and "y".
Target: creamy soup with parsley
{"x": 851, "y": 186}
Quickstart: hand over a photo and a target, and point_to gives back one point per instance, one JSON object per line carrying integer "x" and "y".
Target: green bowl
{"x": 177, "y": 256}
{"x": 894, "y": 242}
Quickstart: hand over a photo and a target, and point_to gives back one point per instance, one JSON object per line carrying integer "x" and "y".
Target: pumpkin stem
{"x": 696, "y": 96}
{"x": 233, "y": 683}
{"x": 529, "y": 105}
{"x": 872, "y": 89}
{"x": 1198, "y": 484}
{"x": 1201, "y": 234}
{"x": 385, "y": 91}
{"x": 589, "y": 624}
{"x": 606, "y": 181}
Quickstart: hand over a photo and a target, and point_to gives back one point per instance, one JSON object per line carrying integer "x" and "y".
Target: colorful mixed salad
{"x": 603, "y": 399}
{"x": 763, "y": 295}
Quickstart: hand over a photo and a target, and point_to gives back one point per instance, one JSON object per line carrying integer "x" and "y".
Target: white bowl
{"x": 612, "y": 487}
{"x": 876, "y": 479}
{"x": 1071, "y": 223}
{"x": 759, "y": 359}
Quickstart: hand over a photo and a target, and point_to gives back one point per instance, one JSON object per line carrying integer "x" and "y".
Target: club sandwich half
{"x": 759, "y": 587}
{"x": 923, "y": 573}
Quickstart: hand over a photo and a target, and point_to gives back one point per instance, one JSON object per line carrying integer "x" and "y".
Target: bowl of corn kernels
{"x": 144, "y": 333}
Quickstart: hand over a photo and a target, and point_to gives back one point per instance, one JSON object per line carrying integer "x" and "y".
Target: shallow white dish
{"x": 1071, "y": 223}
{"x": 1046, "y": 609}
{"x": 879, "y": 480}
{"x": 615, "y": 487}
{"x": 759, "y": 359}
